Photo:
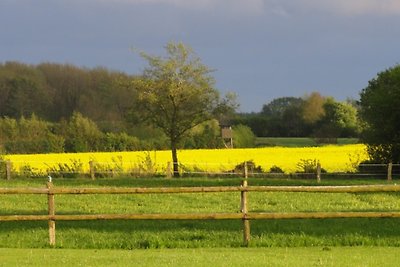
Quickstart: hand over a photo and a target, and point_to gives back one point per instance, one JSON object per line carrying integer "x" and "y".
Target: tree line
{"x": 34, "y": 135}
{"x": 313, "y": 115}
{"x": 173, "y": 104}
{"x": 64, "y": 108}
{"x": 53, "y": 107}
{"x": 53, "y": 92}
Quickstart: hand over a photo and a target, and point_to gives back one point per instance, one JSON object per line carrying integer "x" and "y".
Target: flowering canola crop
{"x": 333, "y": 158}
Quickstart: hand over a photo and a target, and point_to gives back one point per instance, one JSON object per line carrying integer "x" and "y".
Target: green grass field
{"x": 145, "y": 234}
{"x": 297, "y": 141}
{"x": 315, "y": 256}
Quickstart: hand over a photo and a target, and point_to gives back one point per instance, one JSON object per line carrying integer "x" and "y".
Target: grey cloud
{"x": 355, "y": 7}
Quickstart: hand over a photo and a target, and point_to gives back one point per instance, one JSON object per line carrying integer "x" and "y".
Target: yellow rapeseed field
{"x": 332, "y": 158}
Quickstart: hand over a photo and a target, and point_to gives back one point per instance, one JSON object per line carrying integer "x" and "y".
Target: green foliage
{"x": 145, "y": 167}
{"x": 31, "y": 135}
{"x": 243, "y": 136}
{"x": 26, "y": 171}
{"x": 120, "y": 142}
{"x": 55, "y": 91}
{"x": 79, "y": 134}
{"x": 284, "y": 117}
{"x": 311, "y": 116}
{"x": 205, "y": 135}
{"x": 278, "y": 106}
{"x": 251, "y": 167}
{"x": 176, "y": 93}
{"x": 82, "y": 134}
{"x": 339, "y": 120}
{"x": 275, "y": 169}
{"x": 379, "y": 111}
{"x": 23, "y": 91}
{"x": 113, "y": 169}
{"x": 307, "y": 165}
{"x": 2, "y": 167}
{"x": 73, "y": 169}
{"x": 313, "y": 108}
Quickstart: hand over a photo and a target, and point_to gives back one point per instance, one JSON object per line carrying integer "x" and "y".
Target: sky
{"x": 259, "y": 49}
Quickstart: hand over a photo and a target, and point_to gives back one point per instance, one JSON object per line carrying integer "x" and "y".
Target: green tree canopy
{"x": 82, "y": 134}
{"x": 29, "y": 135}
{"x": 278, "y": 106}
{"x": 313, "y": 107}
{"x": 177, "y": 93}
{"x": 380, "y": 112}
{"x": 339, "y": 120}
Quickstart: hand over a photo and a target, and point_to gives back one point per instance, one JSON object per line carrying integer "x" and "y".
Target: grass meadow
{"x": 297, "y": 141}
{"x": 276, "y": 257}
{"x": 174, "y": 234}
{"x": 312, "y": 242}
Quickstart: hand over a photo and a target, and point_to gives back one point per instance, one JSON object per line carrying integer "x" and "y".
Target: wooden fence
{"x": 245, "y": 215}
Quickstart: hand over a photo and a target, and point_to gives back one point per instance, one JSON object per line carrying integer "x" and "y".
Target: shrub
{"x": 29, "y": 136}
{"x": 120, "y": 142}
{"x": 251, "y": 167}
{"x": 2, "y": 167}
{"x": 107, "y": 169}
{"x": 308, "y": 166}
{"x": 205, "y": 135}
{"x": 275, "y": 169}
{"x": 82, "y": 134}
{"x": 66, "y": 170}
{"x": 243, "y": 136}
{"x": 26, "y": 171}
{"x": 145, "y": 166}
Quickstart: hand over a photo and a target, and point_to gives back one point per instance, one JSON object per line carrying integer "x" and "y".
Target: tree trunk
{"x": 175, "y": 160}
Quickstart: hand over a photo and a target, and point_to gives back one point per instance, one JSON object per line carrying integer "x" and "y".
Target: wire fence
{"x": 94, "y": 170}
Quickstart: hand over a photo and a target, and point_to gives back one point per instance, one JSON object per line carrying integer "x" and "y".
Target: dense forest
{"x": 64, "y": 108}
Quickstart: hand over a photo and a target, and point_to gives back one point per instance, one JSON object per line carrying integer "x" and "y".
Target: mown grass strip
{"x": 299, "y": 257}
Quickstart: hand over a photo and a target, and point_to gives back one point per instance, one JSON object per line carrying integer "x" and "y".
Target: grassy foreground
{"x": 153, "y": 234}
{"x": 320, "y": 256}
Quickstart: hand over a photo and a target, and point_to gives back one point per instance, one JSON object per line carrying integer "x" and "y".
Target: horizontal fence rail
{"x": 210, "y": 189}
{"x": 243, "y": 215}
{"x": 203, "y": 216}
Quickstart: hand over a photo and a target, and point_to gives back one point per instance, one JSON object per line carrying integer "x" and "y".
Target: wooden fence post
{"x": 244, "y": 210}
{"x": 169, "y": 170}
{"x": 246, "y": 171}
{"x": 92, "y": 169}
{"x": 318, "y": 172}
{"x": 51, "y": 207}
{"x": 8, "y": 169}
{"x": 389, "y": 171}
